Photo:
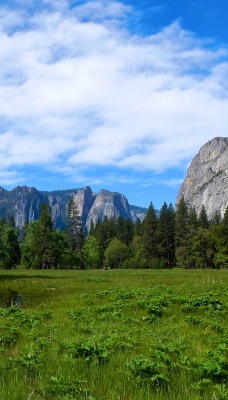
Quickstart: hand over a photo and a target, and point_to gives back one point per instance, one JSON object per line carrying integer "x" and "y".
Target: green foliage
{"x": 91, "y": 252}
{"x": 9, "y": 246}
{"x": 58, "y": 386}
{"x": 182, "y": 234}
{"x": 30, "y": 361}
{"x": 170, "y": 239}
{"x": 75, "y": 228}
{"x": 203, "y": 219}
{"x": 90, "y": 352}
{"x": 118, "y": 334}
{"x": 124, "y": 230}
{"x": 37, "y": 248}
{"x": 115, "y": 253}
{"x": 8, "y": 335}
{"x": 203, "y": 245}
{"x": 166, "y": 236}
{"x": 220, "y": 237}
{"x": 148, "y": 370}
{"x": 150, "y": 240}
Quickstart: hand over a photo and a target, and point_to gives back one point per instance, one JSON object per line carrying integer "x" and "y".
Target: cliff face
{"x": 110, "y": 204}
{"x": 206, "y": 182}
{"x": 24, "y": 204}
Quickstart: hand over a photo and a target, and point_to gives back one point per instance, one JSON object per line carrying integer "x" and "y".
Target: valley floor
{"x": 113, "y": 335}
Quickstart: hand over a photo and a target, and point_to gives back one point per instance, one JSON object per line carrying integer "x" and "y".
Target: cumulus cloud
{"x": 76, "y": 87}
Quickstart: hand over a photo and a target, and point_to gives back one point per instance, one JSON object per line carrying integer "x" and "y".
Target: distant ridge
{"x": 24, "y": 202}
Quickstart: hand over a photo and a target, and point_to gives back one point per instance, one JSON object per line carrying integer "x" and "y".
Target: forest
{"x": 171, "y": 238}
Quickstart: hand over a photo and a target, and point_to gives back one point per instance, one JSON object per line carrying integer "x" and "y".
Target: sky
{"x": 116, "y": 95}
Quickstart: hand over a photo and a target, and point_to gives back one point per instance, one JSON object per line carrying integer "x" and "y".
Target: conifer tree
{"x": 202, "y": 247}
{"x": 76, "y": 230}
{"x": 225, "y": 218}
{"x": 124, "y": 230}
{"x": 193, "y": 221}
{"x": 217, "y": 218}
{"x": 44, "y": 236}
{"x": 37, "y": 246}
{"x": 182, "y": 234}
{"x": 166, "y": 235}
{"x": 104, "y": 233}
{"x": 137, "y": 227}
{"x": 150, "y": 239}
{"x": 203, "y": 218}
{"x": 221, "y": 239}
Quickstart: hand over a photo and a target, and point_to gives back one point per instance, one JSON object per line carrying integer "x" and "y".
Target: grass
{"x": 114, "y": 335}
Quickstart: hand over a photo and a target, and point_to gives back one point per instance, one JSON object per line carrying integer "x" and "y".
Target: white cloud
{"x": 8, "y": 178}
{"x": 102, "y": 9}
{"x": 75, "y": 87}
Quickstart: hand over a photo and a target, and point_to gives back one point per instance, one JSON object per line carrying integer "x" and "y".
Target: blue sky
{"x": 112, "y": 94}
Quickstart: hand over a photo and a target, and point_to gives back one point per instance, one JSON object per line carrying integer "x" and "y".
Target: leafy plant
{"x": 148, "y": 370}
{"x": 90, "y": 352}
{"x": 30, "y": 360}
{"x": 8, "y": 335}
{"x": 59, "y": 387}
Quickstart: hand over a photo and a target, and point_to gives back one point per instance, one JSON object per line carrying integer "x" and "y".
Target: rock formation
{"x": 206, "y": 182}
{"x": 24, "y": 204}
{"x": 110, "y": 204}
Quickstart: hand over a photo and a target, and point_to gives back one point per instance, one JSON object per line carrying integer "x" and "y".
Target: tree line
{"x": 171, "y": 238}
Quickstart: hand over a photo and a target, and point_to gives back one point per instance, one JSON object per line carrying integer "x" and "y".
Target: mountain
{"x": 24, "y": 204}
{"x": 206, "y": 182}
{"x": 139, "y": 212}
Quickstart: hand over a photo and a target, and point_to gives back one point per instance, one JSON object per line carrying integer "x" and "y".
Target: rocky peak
{"x": 24, "y": 190}
{"x": 110, "y": 204}
{"x": 84, "y": 199}
{"x": 206, "y": 182}
{"x": 24, "y": 204}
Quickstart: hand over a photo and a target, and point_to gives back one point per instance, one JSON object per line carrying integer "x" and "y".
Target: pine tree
{"x": 76, "y": 230}
{"x": 166, "y": 235}
{"x": 104, "y": 233}
{"x": 203, "y": 218}
{"x": 44, "y": 236}
{"x": 193, "y": 221}
{"x": 124, "y": 230}
{"x": 221, "y": 238}
{"x": 137, "y": 227}
{"x": 225, "y": 218}
{"x": 182, "y": 234}
{"x": 150, "y": 239}
{"x": 203, "y": 247}
{"x": 217, "y": 218}
{"x": 38, "y": 246}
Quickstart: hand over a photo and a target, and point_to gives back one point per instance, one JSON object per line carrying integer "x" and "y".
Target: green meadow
{"x": 114, "y": 335}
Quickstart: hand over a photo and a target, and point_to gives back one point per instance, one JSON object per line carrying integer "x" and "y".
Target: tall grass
{"x": 114, "y": 335}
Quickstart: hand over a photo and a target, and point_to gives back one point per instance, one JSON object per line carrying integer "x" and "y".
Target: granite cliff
{"x": 206, "y": 182}
{"x": 24, "y": 204}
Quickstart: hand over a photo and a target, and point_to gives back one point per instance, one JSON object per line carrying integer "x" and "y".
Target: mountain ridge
{"x": 23, "y": 202}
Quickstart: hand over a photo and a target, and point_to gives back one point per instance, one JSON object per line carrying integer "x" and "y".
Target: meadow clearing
{"x": 114, "y": 335}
